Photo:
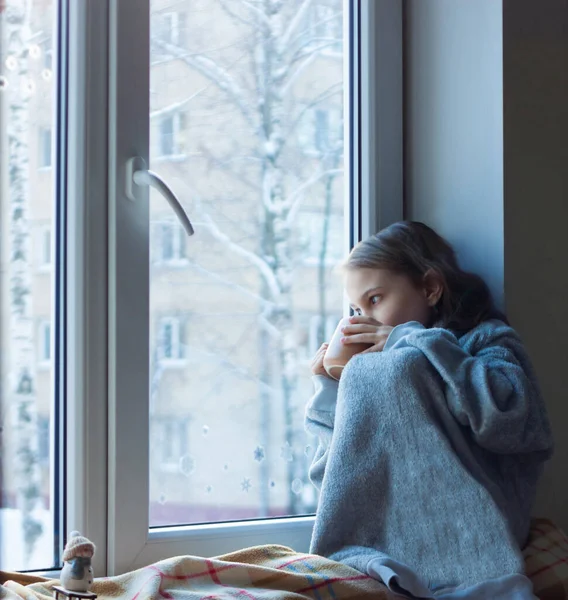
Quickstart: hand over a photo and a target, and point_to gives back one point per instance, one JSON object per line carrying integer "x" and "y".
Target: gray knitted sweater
{"x": 428, "y": 456}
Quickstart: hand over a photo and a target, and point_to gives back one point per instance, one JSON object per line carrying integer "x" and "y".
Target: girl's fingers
{"x": 363, "y": 319}
{"x": 361, "y": 338}
{"x": 359, "y": 328}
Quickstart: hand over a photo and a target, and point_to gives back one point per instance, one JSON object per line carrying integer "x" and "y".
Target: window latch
{"x": 138, "y": 175}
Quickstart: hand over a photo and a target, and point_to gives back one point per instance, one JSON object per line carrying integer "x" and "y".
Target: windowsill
{"x": 170, "y": 158}
{"x": 51, "y": 574}
{"x": 44, "y": 365}
{"x": 46, "y": 268}
{"x": 44, "y": 169}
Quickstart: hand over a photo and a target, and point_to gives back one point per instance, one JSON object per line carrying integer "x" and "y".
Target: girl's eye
{"x": 357, "y": 311}
{"x": 375, "y": 299}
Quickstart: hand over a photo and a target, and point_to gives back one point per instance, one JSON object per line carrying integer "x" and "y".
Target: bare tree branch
{"x": 214, "y": 72}
{"x": 172, "y": 108}
{"x": 266, "y": 272}
{"x": 234, "y": 286}
{"x": 261, "y": 15}
{"x": 311, "y": 49}
{"x": 295, "y": 199}
{"x": 225, "y": 6}
{"x": 298, "y": 17}
{"x": 331, "y": 91}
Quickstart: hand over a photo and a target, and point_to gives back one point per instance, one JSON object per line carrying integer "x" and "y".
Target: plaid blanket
{"x": 258, "y": 573}
{"x": 269, "y": 572}
{"x": 546, "y": 560}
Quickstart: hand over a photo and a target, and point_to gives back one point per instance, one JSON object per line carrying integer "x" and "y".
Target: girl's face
{"x": 390, "y": 298}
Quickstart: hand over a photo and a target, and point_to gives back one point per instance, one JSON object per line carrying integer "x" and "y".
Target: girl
{"x": 431, "y": 445}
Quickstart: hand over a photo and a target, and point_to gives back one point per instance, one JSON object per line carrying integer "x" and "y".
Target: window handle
{"x": 138, "y": 175}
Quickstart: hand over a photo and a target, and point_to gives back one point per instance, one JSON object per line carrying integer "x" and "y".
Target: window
{"x": 46, "y": 55}
{"x": 148, "y": 348}
{"x": 44, "y": 148}
{"x": 311, "y": 335}
{"x": 170, "y": 434}
{"x": 170, "y": 339}
{"x": 324, "y": 29}
{"x": 320, "y": 237}
{"x": 171, "y": 130}
{"x": 44, "y": 243}
{"x": 320, "y": 131}
{"x": 170, "y": 27}
{"x": 170, "y": 243}
{"x": 44, "y": 343}
{"x": 31, "y": 503}
{"x": 43, "y": 443}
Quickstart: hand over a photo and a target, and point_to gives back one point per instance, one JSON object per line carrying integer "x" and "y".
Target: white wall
{"x": 486, "y": 164}
{"x": 454, "y": 127}
{"x": 535, "y": 61}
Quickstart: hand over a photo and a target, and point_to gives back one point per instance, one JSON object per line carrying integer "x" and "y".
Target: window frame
{"x": 105, "y": 475}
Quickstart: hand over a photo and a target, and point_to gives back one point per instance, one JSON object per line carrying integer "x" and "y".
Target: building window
{"x": 320, "y": 131}
{"x": 325, "y": 29}
{"x": 170, "y": 435}
{"x": 44, "y": 242}
{"x": 44, "y": 148}
{"x": 43, "y": 442}
{"x": 171, "y": 132}
{"x": 47, "y": 55}
{"x": 170, "y": 340}
{"x": 315, "y": 332}
{"x": 169, "y": 243}
{"x": 44, "y": 343}
{"x": 311, "y": 336}
{"x": 170, "y": 27}
{"x": 312, "y": 233}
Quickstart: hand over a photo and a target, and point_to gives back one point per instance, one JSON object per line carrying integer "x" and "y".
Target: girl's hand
{"x": 366, "y": 330}
{"x": 317, "y": 361}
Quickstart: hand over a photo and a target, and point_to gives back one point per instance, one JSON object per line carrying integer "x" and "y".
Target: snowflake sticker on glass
{"x": 287, "y": 453}
{"x": 187, "y": 465}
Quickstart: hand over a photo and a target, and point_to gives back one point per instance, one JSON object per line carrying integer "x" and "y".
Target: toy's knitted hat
{"x": 75, "y": 544}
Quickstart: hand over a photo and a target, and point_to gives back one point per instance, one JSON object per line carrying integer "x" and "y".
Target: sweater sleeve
{"x": 319, "y": 419}
{"x": 489, "y": 387}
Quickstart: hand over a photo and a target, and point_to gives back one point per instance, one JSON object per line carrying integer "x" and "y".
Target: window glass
{"x": 27, "y": 103}
{"x": 259, "y": 167}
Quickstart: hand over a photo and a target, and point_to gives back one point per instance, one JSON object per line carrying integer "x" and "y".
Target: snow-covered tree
{"x": 283, "y": 41}
{"x": 15, "y": 33}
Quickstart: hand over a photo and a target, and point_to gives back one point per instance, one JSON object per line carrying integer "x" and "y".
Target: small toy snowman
{"x": 77, "y": 572}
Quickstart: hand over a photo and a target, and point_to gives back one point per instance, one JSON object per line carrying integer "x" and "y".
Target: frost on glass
{"x": 247, "y": 126}
{"x": 26, "y": 206}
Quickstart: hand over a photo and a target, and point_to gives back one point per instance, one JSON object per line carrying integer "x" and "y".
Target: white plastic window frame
{"x": 107, "y": 478}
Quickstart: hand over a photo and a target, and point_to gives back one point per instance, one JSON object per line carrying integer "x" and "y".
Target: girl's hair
{"x": 412, "y": 248}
